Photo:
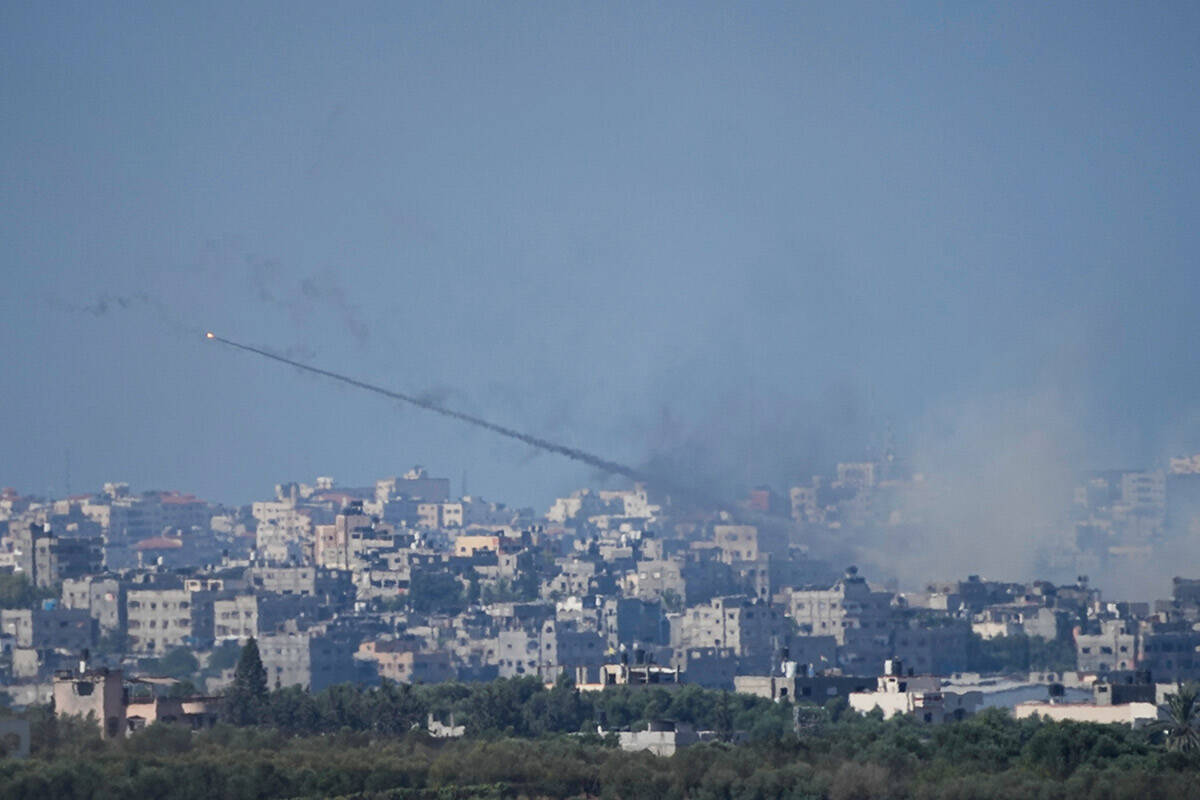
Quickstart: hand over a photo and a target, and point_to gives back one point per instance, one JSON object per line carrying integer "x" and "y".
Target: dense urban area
{"x": 396, "y": 641}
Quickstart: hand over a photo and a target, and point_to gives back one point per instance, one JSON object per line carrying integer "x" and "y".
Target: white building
{"x": 919, "y": 696}
{"x": 1132, "y": 714}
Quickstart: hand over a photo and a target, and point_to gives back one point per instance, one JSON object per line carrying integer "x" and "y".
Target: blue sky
{"x": 736, "y": 238}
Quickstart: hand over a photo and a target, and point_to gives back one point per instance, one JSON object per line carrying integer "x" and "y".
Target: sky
{"x": 736, "y": 241}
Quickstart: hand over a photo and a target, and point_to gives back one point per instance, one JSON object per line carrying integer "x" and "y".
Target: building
{"x": 41, "y": 629}
{"x": 860, "y": 619}
{"x": 1135, "y": 715}
{"x": 102, "y": 598}
{"x": 333, "y": 587}
{"x": 99, "y": 694}
{"x": 1114, "y": 647}
{"x": 162, "y": 619}
{"x": 623, "y": 674}
{"x": 307, "y": 659}
{"x": 919, "y": 696}
{"x": 817, "y": 689}
{"x": 60, "y": 557}
{"x": 748, "y": 628}
{"x": 661, "y": 737}
{"x": 736, "y": 542}
{"x": 405, "y": 661}
{"x": 235, "y": 619}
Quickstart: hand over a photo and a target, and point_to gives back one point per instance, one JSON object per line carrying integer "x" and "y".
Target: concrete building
{"x": 102, "y": 598}
{"x": 1135, "y": 715}
{"x": 160, "y": 620}
{"x": 197, "y": 713}
{"x": 307, "y": 659}
{"x": 413, "y": 485}
{"x": 467, "y": 545}
{"x": 933, "y": 649}
{"x": 623, "y": 674}
{"x": 632, "y": 622}
{"x": 661, "y": 737}
{"x": 1169, "y": 651}
{"x": 710, "y": 667}
{"x": 283, "y": 534}
{"x": 747, "y": 627}
{"x": 919, "y": 696}
{"x": 407, "y": 662}
{"x": 818, "y": 689}
{"x": 99, "y": 694}
{"x": 235, "y": 619}
{"x": 860, "y": 619}
{"x": 1114, "y": 647}
{"x": 652, "y": 579}
{"x": 60, "y": 557}
{"x": 333, "y": 587}
{"x": 736, "y": 542}
{"x": 41, "y": 629}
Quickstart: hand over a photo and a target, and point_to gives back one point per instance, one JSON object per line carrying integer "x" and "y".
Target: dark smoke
{"x": 583, "y": 457}
{"x": 107, "y": 304}
{"x": 304, "y": 298}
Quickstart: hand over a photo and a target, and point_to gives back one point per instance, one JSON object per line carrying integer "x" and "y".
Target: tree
{"x": 435, "y": 590}
{"x": 671, "y": 600}
{"x": 1182, "y": 725}
{"x": 179, "y": 663}
{"x": 246, "y": 699}
{"x": 17, "y": 591}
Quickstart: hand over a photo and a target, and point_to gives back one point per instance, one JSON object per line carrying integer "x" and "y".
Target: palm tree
{"x": 1182, "y": 723}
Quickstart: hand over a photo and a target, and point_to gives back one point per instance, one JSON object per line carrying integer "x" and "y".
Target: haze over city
{"x": 560, "y": 400}
{"x": 739, "y": 241}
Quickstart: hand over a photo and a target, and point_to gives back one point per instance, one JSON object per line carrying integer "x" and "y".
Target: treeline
{"x": 987, "y": 756}
{"x": 521, "y": 707}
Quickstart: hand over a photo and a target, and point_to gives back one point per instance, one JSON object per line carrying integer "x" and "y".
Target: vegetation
{"x": 179, "y": 663}
{"x": 1182, "y": 725}
{"x": 846, "y": 756}
{"x": 247, "y": 699}
{"x": 435, "y": 591}
{"x": 17, "y": 591}
{"x": 526, "y": 740}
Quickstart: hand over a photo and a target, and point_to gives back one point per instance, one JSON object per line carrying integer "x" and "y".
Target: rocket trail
{"x": 603, "y": 464}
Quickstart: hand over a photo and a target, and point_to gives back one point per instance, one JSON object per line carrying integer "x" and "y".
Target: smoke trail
{"x": 610, "y": 467}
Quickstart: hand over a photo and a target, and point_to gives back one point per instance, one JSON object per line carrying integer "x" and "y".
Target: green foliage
{"x": 430, "y": 590}
{"x": 17, "y": 591}
{"x": 224, "y": 656}
{"x": 358, "y": 742}
{"x": 1182, "y": 725}
{"x": 246, "y": 700}
{"x": 179, "y": 663}
{"x": 112, "y": 643}
{"x": 672, "y": 602}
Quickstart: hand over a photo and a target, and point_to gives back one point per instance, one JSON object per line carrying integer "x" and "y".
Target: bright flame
{"x": 210, "y": 335}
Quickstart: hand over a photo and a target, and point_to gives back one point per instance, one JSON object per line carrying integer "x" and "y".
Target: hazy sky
{"x": 738, "y": 237}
